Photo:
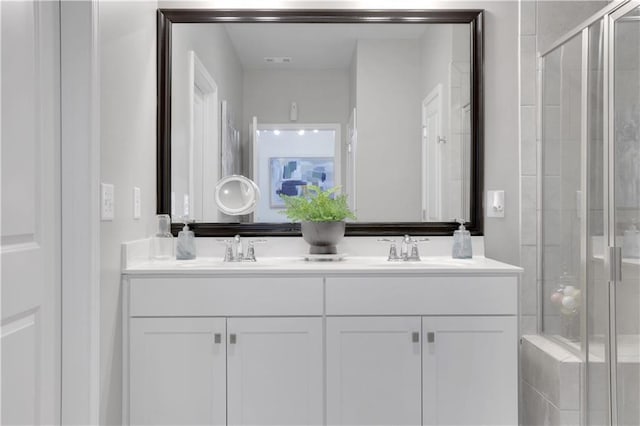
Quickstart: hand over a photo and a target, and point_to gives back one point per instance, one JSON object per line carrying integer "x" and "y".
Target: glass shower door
{"x": 597, "y": 300}
{"x": 625, "y": 220}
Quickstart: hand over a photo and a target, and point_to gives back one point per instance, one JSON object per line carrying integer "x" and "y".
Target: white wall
{"x": 128, "y": 138}
{"x": 389, "y": 143}
{"x": 128, "y": 58}
{"x": 322, "y": 97}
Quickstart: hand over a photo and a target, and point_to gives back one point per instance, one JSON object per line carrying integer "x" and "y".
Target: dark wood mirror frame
{"x": 167, "y": 17}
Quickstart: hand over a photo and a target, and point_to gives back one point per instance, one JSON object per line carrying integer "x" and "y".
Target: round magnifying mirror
{"x": 236, "y": 195}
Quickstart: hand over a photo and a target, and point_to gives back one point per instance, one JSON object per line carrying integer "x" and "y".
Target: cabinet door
{"x": 470, "y": 371}
{"x": 275, "y": 371}
{"x": 373, "y": 371}
{"x": 177, "y": 371}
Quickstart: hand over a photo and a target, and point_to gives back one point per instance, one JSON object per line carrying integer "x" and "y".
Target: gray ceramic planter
{"x": 322, "y": 237}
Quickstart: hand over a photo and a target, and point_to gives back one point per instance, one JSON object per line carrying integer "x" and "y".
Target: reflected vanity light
{"x": 276, "y": 132}
{"x": 315, "y": 130}
{"x": 301, "y": 132}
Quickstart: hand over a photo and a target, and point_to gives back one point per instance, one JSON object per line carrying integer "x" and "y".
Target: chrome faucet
{"x": 234, "y": 250}
{"x": 237, "y": 249}
{"x": 408, "y": 250}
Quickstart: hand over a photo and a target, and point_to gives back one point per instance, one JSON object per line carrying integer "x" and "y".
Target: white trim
{"x": 80, "y": 156}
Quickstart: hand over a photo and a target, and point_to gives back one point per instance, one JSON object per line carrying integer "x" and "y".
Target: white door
{"x": 432, "y": 156}
{"x": 177, "y": 371}
{"x": 275, "y": 371}
{"x": 373, "y": 371}
{"x": 31, "y": 245}
{"x": 470, "y": 371}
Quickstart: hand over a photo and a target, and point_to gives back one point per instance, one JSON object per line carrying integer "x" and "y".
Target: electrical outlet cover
{"x": 137, "y": 206}
{"x": 107, "y": 206}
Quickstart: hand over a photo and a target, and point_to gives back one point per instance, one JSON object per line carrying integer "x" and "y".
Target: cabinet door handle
{"x": 415, "y": 337}
{"x": 431, "y": 337}
{"x": 232, "y": 339}
{"x": 217, "y": 338}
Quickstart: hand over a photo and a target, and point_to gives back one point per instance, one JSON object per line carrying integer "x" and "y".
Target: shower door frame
{"x": 615, "y": 251}
{"x": 612, "y": 253}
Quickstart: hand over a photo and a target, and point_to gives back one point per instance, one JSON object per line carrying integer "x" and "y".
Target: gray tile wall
{"x": 542, "y": 403}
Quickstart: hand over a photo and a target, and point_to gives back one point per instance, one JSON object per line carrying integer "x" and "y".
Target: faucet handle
{"x": 228, "y": 250}
{"x": 393, "y": 250}
{"x": 388, "y": 240}
{"x": 251, "y": 251}
{"x": 414, "y": 256}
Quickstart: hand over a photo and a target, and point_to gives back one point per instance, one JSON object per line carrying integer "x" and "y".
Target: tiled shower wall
{"x": 544, "y": 402}
{"x": 541, "y": 23}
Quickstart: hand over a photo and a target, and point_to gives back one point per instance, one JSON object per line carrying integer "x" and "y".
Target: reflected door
{"x": 432, "y": 157}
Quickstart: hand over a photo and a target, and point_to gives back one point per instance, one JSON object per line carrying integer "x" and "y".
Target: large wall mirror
{"x": 385, "y": 104}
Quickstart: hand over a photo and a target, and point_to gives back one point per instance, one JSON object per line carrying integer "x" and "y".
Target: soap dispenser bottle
{"x": 461, "y": 242}
{"x": 186, "y": 245}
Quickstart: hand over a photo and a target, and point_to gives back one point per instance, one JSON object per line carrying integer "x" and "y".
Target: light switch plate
{"x": 107, "y": 207}
{"x": 136, "y": 203}
{"x": 495, "y": 204}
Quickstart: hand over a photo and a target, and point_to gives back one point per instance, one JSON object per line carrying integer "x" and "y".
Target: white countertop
{"x": 436, "y": 265}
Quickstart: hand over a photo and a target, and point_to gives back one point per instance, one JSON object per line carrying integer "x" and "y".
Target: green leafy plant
{"x": 317, "y": 205}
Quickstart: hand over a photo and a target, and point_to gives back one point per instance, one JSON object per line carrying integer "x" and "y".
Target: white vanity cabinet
{"x": 373, "y": 371}
{"x": 196, "y": 356}
{"x": 320, "y": 345}
{"x": 177, "y": 371}
{"x": 274, "y": 371}
{"x": 469, "y": 370}
{"x": 430, "y": 350}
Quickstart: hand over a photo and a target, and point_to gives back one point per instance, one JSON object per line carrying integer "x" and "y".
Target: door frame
{"x": 80, "y": 181}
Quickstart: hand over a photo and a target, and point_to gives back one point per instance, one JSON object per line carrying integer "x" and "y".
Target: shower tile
{"x": 529, "y": 193}
{"x": 551, "y": 159}
{"x": 552, "y": 126}
{"x": 528, "y": 17}
{"x": 528, "y": 285}
{"x": 534, "y": 407}
{"x": 569, "y": 418}
{"x": 554, "y": 18}
{"x": 528, "y": 148}
{"x": 552, "y": 371}
{"x": 528, "y": 324}
{"x": 552, "y": 227}
{"x": 551, "y": 193}
{"x": 528, "y": 79}
{"x": 569, "y": 385}
{"x": 529, "y": 227}
{"x": 598, "y": 417}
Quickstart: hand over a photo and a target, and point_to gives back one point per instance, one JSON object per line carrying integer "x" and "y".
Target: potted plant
{"x": 321, "y": 214}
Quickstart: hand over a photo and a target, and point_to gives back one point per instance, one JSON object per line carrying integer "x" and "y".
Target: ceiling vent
{"x": 278, "y": 59}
